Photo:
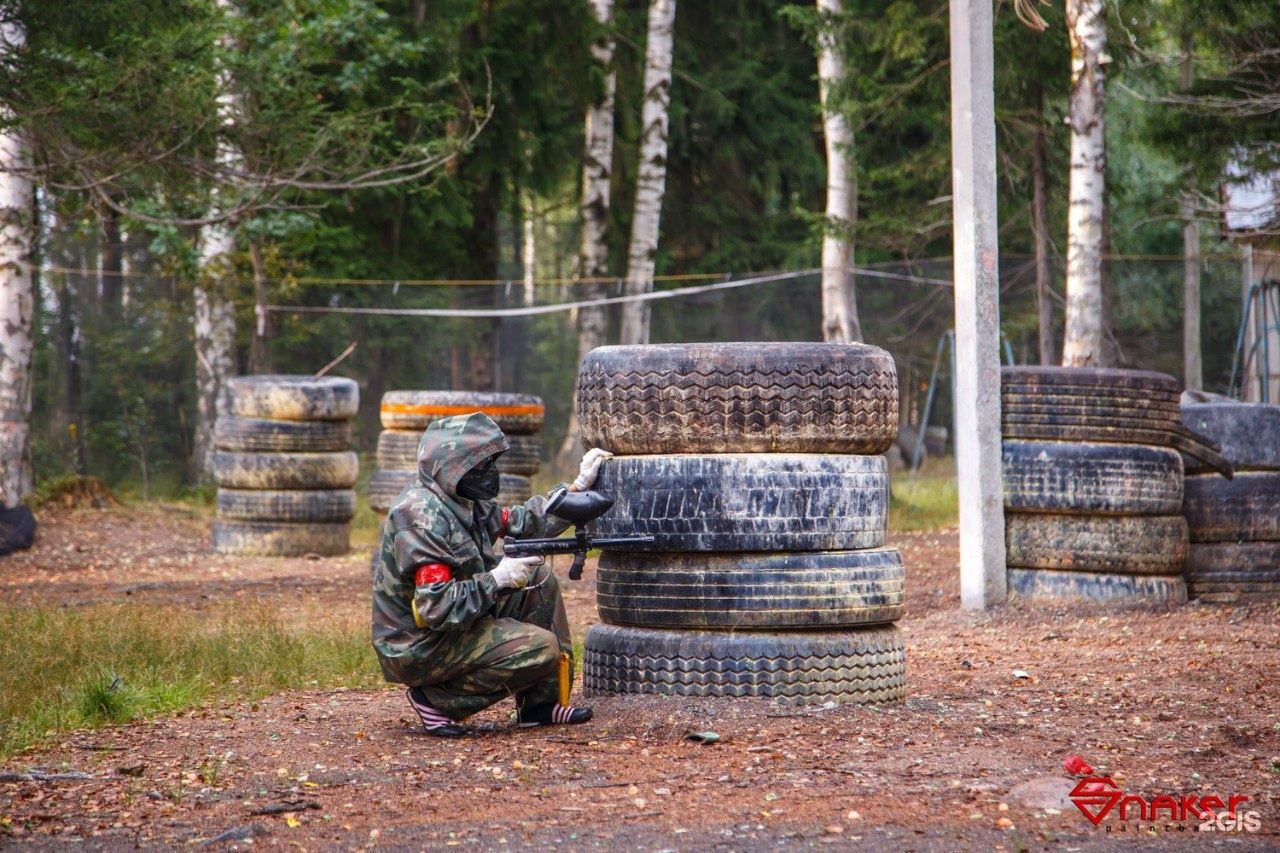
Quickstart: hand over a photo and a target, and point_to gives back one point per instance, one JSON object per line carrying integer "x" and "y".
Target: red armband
{"x": 432, "y": 573}
{"x": 506, "y": 516}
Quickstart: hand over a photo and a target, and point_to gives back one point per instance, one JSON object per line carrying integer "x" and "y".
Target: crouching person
{"x": 461, "y": 628}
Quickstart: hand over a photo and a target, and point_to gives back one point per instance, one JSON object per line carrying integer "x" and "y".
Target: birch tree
{"x": 652, "y": 174}
{"x": 1192, "y": 365}
{"x": 597, "y": 170}
{"x": 839, "y": 303}
{"x": 1084, "y": 336}
{"x": 17, "y": 304}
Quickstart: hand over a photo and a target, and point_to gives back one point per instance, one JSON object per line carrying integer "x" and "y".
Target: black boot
{"x": 435, "y": 722}
{"x": 551, "y": 713}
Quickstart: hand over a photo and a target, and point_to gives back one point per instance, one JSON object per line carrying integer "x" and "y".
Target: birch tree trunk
{"x": 213, "y": 317}
{"x": 597, "y": 170}
{"x": 1040, "y": 234}
{"x": 652, "y": 177}
{"x": 214, "y": 325}
{"x": 1192, "y": 366}
{"x": 1083, "y": 340}
{"x": 17, "y": 308}
{"x": 839, "y": 304}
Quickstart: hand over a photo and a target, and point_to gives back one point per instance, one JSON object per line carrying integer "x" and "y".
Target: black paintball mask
{"x": 482, "y": 482}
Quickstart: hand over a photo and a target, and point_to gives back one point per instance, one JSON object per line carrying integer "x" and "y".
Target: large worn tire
{"x": 1177, "y": 437}
{"x": 1249, "y": 433}
{"x": 1258, "y": 559}
{"x": 294, "y": 398}
{"x": 1119, "y": 545}
{"x": 329, "y": 505}
{"x": 1038, "y": 585}
{"x": 864, "y": 666}
{"x": 285, "y": 470}
{"x": 273, "y": 539}
{"x": 1114, "y": 417}
{"x": 258, "y": 435}
{"x": 513, "y": 413}
{"x": 1089, "y": 401}
{"x": 386, "y": 486}
{"x": 1096, "y": 479}
{"x": 738, "y": 398}
{"x": 747, "y": 502}
{"x": 824, "y": 589}
{"x": 398, "y": 450}
{"x": 1077, "y": 380}
{"x": 1244, "y": 509}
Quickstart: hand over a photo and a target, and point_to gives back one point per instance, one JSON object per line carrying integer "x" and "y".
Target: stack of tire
{"x": 1235, "y": 524}
{"x": 284, "y": 466}
{"x": 755, "y": 467}
{"x": 405, "y": 414}
{"x": 1093, "y": 483}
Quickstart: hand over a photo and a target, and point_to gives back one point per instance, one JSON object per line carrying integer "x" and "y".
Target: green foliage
{"x": 925, "y": 499}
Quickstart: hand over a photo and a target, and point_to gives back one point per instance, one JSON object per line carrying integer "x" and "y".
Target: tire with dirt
{"x": 285, "y": 470}
{"x": 1113, "y": 545}
{"x": 294, "y": 398}
{"x": 1114, "y": 417}
{"x": 296, "y": 505}
{"x": 1260, "y": 560}
{"x": 1093, "y": 479}
{"x": 1177, "y": 437}
{"x": 735, "y": 502}
{"x": 280, "y": 539}
{"x": 1243, "y": 509}
{"x": 1038, "y": 585}
{"x": 398, "y": 450}
{"x": 865, "y": 666}
{"x": 515, "y": 414}
{"x": 738, "y": 398}
{"x": 1093, "y": 401}
{"x": 824, "y": 589}
{"x": 260, "y": 435}
{"x": 1249, "y": 433}
{"x": 386, "y": 486}
{"x": 1083, "y": 380}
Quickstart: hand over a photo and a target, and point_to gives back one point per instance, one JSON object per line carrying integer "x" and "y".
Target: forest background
{"x": 496, "y": 91}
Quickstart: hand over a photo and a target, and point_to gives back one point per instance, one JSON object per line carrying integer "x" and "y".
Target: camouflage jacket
{"x": 429, "y": 523}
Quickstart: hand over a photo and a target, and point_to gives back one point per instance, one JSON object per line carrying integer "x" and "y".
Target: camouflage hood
{"x": 451, "y": 447}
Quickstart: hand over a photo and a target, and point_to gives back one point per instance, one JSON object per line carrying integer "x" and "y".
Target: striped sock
{"x": 431, "y": 718}
{"x": 553, "y": 713}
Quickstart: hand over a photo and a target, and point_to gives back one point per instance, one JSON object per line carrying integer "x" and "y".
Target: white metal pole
{"x": 977, "y": 295}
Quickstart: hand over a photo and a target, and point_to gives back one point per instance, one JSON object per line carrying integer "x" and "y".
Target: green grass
{"x": 926, "y": 499}
{"x": 63, "y": 669}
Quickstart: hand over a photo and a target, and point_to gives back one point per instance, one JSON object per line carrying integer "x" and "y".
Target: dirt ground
{"x": 1181, "y": 700}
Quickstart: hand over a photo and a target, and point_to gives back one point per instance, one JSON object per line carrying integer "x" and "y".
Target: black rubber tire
{"x": 1114, "y": 545}
{"x": 276, "y": 539}
{"x": 386, "y": 486}
{"x": 398, "y": 450}
{"x": 329, "y": 505}
{"x": 515, "y": 414}
{"x": 1080, "y": 379}
{"x": 1095, "y": 479}
{"x": 1206, "y": 560}
{"x": 822, "y": 589}
{"x": 513, "y": 490}
{"x": 1178, "y": 437}
{"x": 865, "y": 666}
{"x": 738, "y": 398}
{"x": 1037, "y": 585}
{"x": 1114, "y": 417}
{"x": 1087, "y": 401}
{"x": 1249, "y": 433}
{"x": 736, "y": 502}
{"x": 293, "y": 398}
{"x": 259, "y": 435}
{"x": 1244, "y": 509}
{"x": 286, "y": 470}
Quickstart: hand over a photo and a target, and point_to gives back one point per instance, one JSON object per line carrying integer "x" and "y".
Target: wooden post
{"x": 977, "y": 295}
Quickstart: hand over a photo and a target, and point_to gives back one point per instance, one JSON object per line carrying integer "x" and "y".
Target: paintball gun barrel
{"x": 579, "y": 509}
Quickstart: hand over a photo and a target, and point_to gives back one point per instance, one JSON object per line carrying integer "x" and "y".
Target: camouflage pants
{"x": 515, "y": 651}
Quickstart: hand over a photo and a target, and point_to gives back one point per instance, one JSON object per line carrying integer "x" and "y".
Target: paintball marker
{"x": 579, "y": 509}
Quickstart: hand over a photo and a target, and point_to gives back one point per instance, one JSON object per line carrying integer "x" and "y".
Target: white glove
{"x": 589, "y": 468}
{"x": 514, "y": 572}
